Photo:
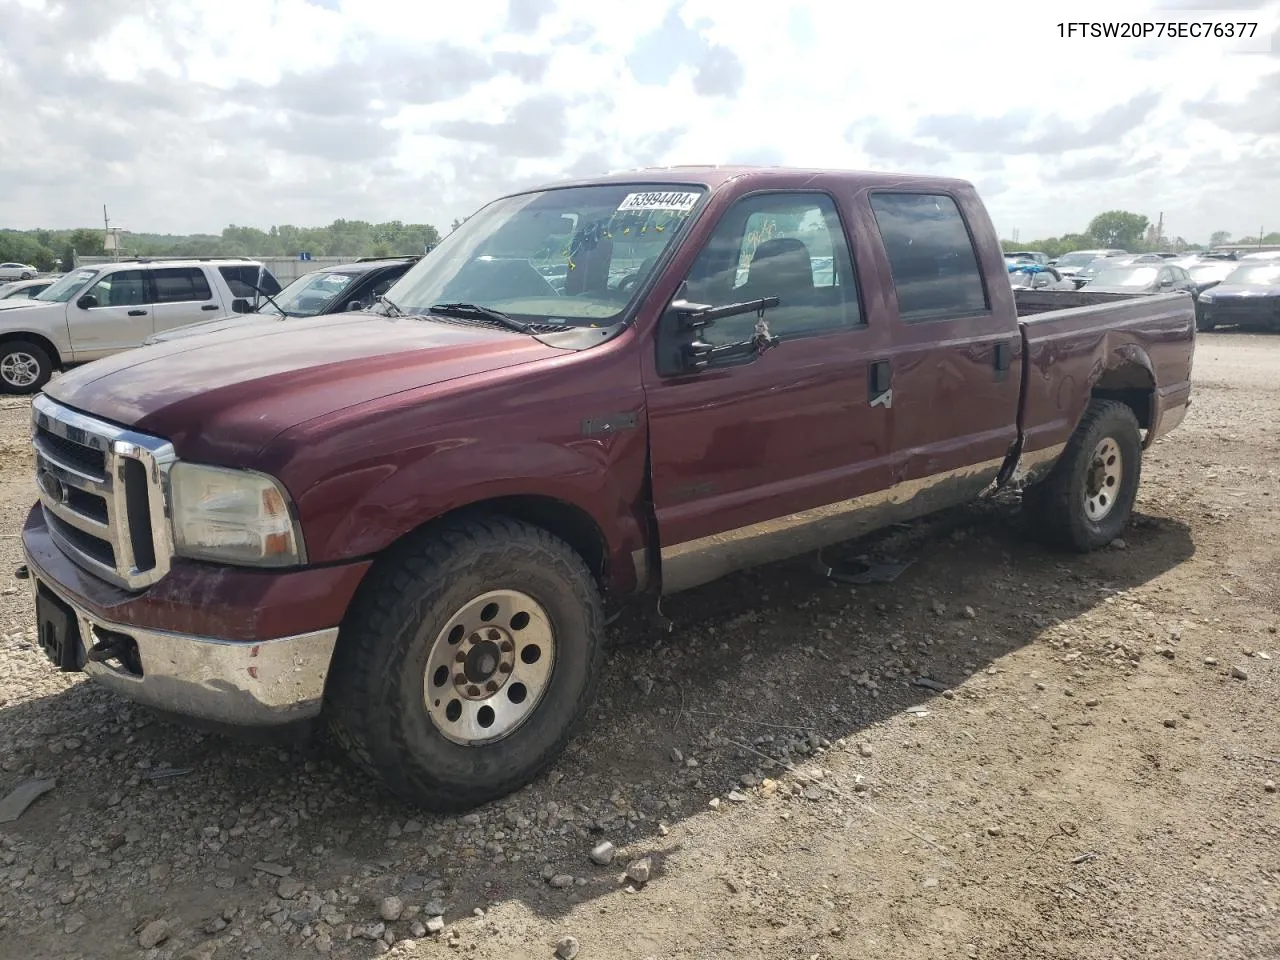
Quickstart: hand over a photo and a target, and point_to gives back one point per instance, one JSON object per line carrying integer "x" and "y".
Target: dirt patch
{"x": 1007, "y": 753}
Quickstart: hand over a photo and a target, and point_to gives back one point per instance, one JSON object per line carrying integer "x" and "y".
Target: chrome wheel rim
{"x": 489, "y": 667}
{"x": 1102, "y": 485}
{"x": 19, "y": 369}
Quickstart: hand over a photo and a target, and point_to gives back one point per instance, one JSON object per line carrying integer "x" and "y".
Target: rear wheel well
{"x": 43, "y": 343}
{"x": 1131, "y": 385}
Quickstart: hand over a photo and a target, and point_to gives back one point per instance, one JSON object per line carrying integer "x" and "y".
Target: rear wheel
{"x": 24, "y": 367}
{"x": 1087, "y": 499}
{"x": 467, "y": 662}
{"x": 1205, "y": 324}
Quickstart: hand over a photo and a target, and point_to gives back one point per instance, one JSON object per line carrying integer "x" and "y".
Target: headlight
{"x": 1206, "y": 297}
{"x": 232, "y": 516}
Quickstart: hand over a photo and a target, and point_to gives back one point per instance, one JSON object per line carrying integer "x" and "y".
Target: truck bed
{"x": 1079, "y": 345}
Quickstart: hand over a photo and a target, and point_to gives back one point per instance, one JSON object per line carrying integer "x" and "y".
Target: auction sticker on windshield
{"x": 659, "y": 201}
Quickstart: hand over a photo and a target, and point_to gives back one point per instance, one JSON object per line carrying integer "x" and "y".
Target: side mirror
{"x": 355, "y": 305}
{"x": 681, "y": 349}
{"x": 241, "y": 305}
{"x": 87, "y": 302}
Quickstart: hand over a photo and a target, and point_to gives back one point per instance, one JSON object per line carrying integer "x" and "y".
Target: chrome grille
{"x": 104, "y": 493}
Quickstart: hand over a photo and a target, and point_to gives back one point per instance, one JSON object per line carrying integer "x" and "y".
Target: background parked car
{"x": 24, "y": 289}
{"x": 1035, "y": 256}
{"x": 1249, "y": 297}
{"x": 17, "y": 271}
{"x": 1141, "y": 277}
{"x": 1208, "y": 273}
{"x": 1086, "y": 273}
{"x": 1070, "y": 263}
{"x": 351, "y": 286}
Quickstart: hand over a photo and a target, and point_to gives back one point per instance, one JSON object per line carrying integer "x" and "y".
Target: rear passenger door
{"x": 955, "y": 362}
{"x": 112, "y": 315}
{"x": 182, "y": 296}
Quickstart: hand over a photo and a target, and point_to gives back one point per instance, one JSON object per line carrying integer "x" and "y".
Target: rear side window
{"x": 181, "y": 284}
{"x": 935, "y": 269}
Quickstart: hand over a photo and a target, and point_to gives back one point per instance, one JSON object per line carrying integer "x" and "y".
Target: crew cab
{"x": 96, "y": 311}
{"x": 410, "y": 521}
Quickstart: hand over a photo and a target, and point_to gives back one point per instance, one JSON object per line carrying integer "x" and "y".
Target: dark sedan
{"x": 1249, "y": 297}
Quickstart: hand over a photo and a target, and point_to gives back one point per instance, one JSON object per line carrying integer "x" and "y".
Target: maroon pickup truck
{"x": 412, "y": 520}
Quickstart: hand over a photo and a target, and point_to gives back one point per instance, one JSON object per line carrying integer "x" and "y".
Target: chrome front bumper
{"x": 242, "y": 683}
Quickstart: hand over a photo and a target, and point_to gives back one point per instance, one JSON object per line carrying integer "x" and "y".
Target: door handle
{"x": 137, "y": 313}
{"x": 210, "y": 306}
{"x": 1004, "y": 356}
{"x": 880, "y": 384}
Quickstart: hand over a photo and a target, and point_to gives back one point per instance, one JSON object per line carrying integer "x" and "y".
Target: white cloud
{"x": 187, "y": 116}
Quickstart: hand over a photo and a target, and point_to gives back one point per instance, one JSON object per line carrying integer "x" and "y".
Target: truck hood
{"x": 222, "y": 397}
{"x": 234, "y": 320}
{"x": 1235, "y": 291}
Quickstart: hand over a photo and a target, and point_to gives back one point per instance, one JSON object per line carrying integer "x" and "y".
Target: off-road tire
{"x": 1205, "y": 325}
{"x": 375, "y": 697}
{"x": 38, "y": 354}
{"x": 1056, "y": 506}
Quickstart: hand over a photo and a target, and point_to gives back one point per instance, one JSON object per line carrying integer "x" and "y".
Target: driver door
{"x": 112, "y": 315}
{"x": 743, "y": 451}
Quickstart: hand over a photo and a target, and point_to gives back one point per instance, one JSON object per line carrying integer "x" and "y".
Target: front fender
{"x": 361, "y": 513}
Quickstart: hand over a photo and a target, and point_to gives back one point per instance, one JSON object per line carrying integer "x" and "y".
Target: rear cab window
{"x": 931, "y": 255}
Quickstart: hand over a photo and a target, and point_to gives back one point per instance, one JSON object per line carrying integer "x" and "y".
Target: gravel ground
{"x": 1088, "y": 772}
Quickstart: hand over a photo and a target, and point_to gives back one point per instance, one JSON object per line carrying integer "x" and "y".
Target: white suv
{"x": 95, "y": 311}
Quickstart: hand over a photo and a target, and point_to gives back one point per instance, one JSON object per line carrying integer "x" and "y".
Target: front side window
{"x": 575, "y": 256}
{"x": 786, "y": 245}
{"x": 64, "y": 288}
{"x": 931, "y": 256}
{"x": 181, "y": 285}
{"x": 124, "y": 288}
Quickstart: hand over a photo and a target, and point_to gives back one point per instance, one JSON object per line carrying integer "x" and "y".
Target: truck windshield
{"x": 1268, "y": 273}
{"x": 67, "y": 286}
{"x": 571, "y": 256}
{"x": 309, "y": 295}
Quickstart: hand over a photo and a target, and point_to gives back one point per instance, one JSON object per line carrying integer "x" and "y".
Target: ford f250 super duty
{"x": 410, "y": 521}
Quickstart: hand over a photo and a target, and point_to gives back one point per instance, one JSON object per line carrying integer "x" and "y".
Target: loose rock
{"x": 640, "y": 870}
{"x": 434, "y": 924}
{"x": 603, "y": 853}
{"x": 995, "y": 832}
{"x": 567, "y": 948}
{"x": 1170, "y": 722}
{"x": 864, "y": 750}
{"x": 561, "y": 881}
{"x": 1239, "y": 673}
{"x": 390, "y": 909}
{"x": 153, "y": 934}
{"x": 74, "y": 922}
{"x": 289, "y": 889}
{"x": 1269, "y": 786}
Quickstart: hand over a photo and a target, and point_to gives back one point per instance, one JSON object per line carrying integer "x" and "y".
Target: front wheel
{"x": 24, "y": 367}
{"x": 466, "y": 662}
{"x": 27, "y": 275}
{"x": 1087, "y": 499}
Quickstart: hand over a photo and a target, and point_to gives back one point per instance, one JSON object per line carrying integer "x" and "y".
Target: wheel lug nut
{"x": 507, "y": 646}
{"x": 504, "y": 668}
{"x": 473, "y": 691}
{"x": 492, "y": 686}
{"x": 461, "y": 657}
{"x": 494, "y": 635}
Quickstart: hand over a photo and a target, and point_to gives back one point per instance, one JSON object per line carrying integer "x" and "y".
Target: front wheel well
{"x": 570, "y": 523}
{"x": 42, "y": 342}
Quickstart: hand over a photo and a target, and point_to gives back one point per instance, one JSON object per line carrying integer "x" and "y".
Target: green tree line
{"x": 1123, "y": 230}
{"x": 342, "y": 238}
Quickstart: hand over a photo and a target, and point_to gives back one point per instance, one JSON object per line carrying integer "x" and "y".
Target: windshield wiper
{"x": 270, "y": 300}
{"x": 475, "y": 310}
{"x": 392, "y": 308}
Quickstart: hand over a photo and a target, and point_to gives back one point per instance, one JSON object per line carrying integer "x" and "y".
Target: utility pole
{"x": 1160, "y": 230}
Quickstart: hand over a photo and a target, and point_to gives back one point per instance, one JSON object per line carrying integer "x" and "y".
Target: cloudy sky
{"x": 184, "y": 116}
